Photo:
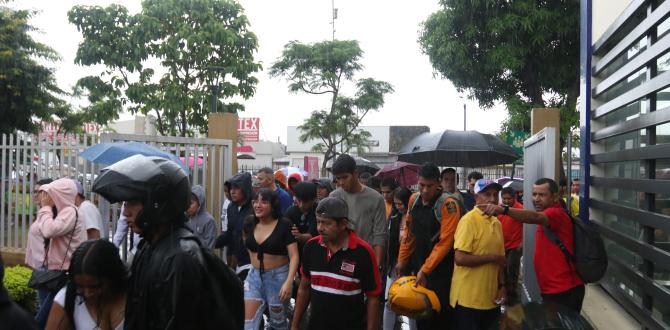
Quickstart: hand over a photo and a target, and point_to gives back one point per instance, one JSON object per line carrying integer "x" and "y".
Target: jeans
{"x": 390, "y": 317}
{"x": 512, "y": 274}
{"x": 475, "y": 319}
{"x": 265, "y": 288}
{"x": 46, "y": 299}
{"x": 572, "y": 298}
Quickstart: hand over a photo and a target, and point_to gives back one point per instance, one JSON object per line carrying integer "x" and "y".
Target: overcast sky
{"x": 387, "y": 32}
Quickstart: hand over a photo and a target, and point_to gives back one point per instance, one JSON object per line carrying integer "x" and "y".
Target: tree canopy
{"x": 524, "y": 53}
{"x": 28, "y": 89}
{"x": 167, "y": 60}
{"x": 322, "y": 68}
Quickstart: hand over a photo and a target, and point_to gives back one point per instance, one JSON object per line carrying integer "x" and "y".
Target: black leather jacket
{"x": 166, "y": 280}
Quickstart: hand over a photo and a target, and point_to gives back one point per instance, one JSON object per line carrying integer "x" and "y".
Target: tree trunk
{"x": 326, "y": 157}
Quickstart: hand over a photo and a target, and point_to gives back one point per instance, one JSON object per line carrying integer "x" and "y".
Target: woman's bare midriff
{"x": 270, "y": 261}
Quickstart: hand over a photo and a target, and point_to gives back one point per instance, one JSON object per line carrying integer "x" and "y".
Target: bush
{"x": 16, "y": 282}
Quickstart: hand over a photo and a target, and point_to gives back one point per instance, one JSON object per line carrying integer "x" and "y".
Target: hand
{"x": 499, "y": 259}
{"x": 421, "y": 279}
{"x": 286, "y": 290}
{"x": 399, "y": 269}
{"x": 491, "y": 209}
{"x": 46, "y": 200}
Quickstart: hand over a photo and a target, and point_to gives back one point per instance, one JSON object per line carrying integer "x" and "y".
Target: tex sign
{"x": 248, "y": 128}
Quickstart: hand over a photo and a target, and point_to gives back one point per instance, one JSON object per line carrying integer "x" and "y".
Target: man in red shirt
{"x": 556, "y": 276}
{"x": 513, "y": 235}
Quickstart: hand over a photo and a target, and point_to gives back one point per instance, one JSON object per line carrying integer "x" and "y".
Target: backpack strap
{"x": 70, "y": 295}
{"x": 413, "y": 200}
{"x": 554, "y": 239}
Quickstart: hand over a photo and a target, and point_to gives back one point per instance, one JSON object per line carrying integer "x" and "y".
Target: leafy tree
{"x": 28, "y": 90}
{"x": 166, "y": 60}
{"x": 524, "y": 53}
{"x": 322, "y": 68}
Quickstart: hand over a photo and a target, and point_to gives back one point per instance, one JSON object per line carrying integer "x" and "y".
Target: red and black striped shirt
{"x": 339, "y": 282}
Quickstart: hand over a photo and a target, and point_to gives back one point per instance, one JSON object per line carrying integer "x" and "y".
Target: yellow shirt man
{"x": 477, "y": 287}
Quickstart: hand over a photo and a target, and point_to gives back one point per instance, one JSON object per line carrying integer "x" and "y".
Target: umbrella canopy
{"x": 291, "y": 169}
{"x": 405, "y": 173}
{"x": 515, "y": 183}
{"x": 110, "y": 153}
{"x": 457, "y": 148}
{"x": 191, "y": 161}
{"x": 362, "y": 165}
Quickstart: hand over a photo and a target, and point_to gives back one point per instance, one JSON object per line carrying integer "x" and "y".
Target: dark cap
{"x": 323, "y": 183}
{"x": 332, "y": 207}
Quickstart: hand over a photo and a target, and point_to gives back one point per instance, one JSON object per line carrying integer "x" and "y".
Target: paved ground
{"x": 604, "y": 313}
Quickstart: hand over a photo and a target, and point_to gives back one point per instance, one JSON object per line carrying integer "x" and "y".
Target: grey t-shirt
{"x": 367, "y": 212}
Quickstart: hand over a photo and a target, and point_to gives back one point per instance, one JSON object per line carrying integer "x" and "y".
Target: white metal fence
{"x": 27, "y": 158}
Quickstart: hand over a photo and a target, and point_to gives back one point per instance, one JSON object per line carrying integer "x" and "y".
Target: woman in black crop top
{"x": 274, "y": 256}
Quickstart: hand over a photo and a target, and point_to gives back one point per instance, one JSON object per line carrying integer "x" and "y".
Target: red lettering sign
{"x": 248, "y": 128}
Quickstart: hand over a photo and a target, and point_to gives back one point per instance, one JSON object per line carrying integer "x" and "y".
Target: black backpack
{"x": 590, "y": 256}
{"x": 227, "y": 298}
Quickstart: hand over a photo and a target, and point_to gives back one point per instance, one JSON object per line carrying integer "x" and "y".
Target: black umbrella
{"x": 457, "y": 148}
{"x": 362, "y": 165}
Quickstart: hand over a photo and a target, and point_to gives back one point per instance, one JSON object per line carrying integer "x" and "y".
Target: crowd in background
{"x": 336, "y": 246}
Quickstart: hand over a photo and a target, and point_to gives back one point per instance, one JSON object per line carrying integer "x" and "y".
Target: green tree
{"x": 166, "y": 60}
{"x": 28, "y": 89}
{"x": 524, "y": 53}
{"x": 322, "y": 68}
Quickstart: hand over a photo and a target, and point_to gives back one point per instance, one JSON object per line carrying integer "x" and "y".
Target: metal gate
{"x": 27, "y": 158}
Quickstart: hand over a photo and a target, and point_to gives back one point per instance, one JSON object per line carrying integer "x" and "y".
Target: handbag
{"x": 48, "y": 279}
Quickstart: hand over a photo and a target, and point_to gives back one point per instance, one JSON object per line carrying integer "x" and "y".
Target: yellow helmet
{"x": 415, "y": 302}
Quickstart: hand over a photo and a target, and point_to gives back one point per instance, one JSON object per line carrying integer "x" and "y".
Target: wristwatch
{"x": 505, "y": 209}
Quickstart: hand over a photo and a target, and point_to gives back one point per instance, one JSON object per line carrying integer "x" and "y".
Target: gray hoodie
{"x": 202, "y": 224}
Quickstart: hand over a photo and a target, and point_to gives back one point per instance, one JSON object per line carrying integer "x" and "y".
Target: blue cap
{"x": 483, "y": 184}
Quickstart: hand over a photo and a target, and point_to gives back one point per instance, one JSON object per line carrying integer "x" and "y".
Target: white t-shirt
{"x": 82, "y": 318}
{"x": 91, "y": 216}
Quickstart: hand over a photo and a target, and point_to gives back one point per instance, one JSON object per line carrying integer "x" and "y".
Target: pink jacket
{"x": 60, "y": 229}
{"x": 35, "y": 246}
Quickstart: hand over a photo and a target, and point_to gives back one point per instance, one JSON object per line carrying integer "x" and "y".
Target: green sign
{"x": 515, "y": 139}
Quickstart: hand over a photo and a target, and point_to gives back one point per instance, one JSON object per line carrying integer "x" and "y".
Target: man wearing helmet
{"x": 169, "y": 269}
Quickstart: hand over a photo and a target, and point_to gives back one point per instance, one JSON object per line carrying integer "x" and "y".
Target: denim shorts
{"x": 266, "y": 288}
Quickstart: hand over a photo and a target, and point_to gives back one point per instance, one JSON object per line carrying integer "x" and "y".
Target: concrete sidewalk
{"x": 604, "y": 313}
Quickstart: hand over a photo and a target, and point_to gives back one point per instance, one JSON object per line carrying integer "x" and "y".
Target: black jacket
{"x": 232, "y": 238}
{"x": 167, "y": 278}
{"x": 12, "y": 317}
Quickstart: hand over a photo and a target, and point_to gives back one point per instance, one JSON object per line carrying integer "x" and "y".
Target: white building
{"x": 385, "y": 143}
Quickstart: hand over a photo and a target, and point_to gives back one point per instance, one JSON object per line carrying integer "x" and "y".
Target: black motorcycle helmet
{"x": 160, "y": 184}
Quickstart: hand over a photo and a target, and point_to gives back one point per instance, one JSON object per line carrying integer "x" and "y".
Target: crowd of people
{"x": 335, "y": 246}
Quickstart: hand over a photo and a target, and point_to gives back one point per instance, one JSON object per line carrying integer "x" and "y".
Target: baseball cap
{"x": 323, "y": 183}
{"x": 80, "y": 187}
{"x": 483, "y": 184}
{"x": 332, "y": 207}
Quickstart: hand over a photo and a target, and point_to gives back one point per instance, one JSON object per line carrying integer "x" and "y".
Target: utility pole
{"x": 334, "y": 16}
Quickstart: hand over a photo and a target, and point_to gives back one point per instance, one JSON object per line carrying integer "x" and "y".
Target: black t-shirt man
{"x": 339, "y": 282}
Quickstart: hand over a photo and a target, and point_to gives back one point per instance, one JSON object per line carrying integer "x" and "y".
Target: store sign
{"x": 312, "y": 167}
{"x": 248, "y": 128}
